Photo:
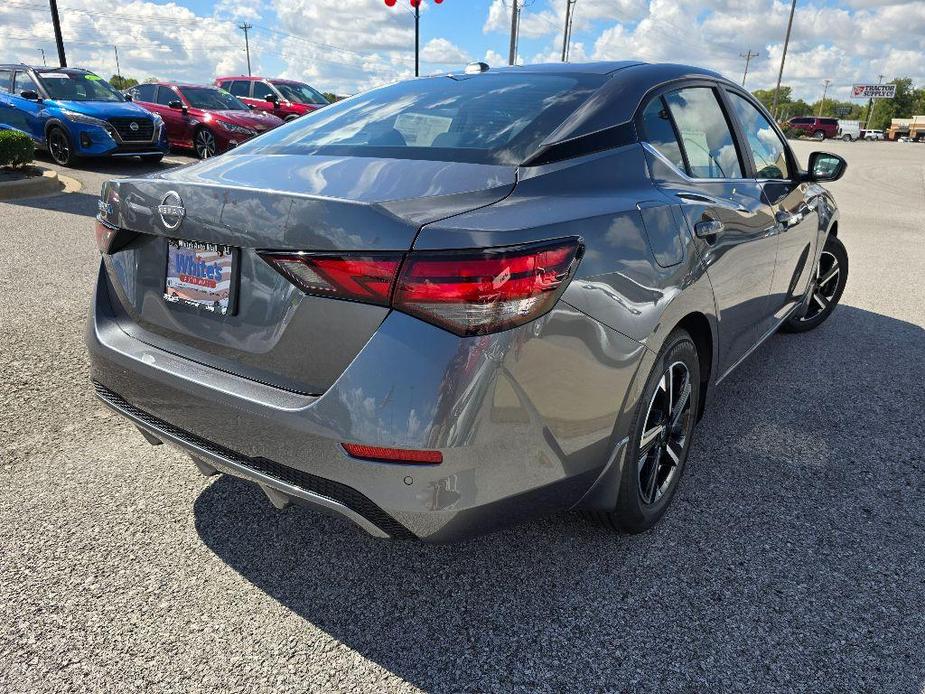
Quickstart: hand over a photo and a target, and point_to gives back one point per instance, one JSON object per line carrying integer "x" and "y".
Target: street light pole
{"x": 870, "y": 105}
{"x": 567, "y": 38}
{"x": 417, "y": 39}
{"x": 43, "y": 57}
{"x": 793, "y": 7}
{"x": 118, "y": 69}
{"x": 62, "y": 59}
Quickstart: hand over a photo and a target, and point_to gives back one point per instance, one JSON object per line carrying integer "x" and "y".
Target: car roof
{"x": 181, "y": 85}
{"x": 44, "y": 68}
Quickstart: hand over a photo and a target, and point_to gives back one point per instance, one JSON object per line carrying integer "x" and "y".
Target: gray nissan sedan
{"x": 458, "y": 301}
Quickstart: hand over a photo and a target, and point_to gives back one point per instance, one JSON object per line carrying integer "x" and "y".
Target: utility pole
{"x": 748, "y": 58}
{"x": 822, "y": 103}
{"x": 567, "y": 38}
{"x": 118, "y": 69}
{"x": 417, "y": 38}
{"x": 793, "y": 7}
{"x": 247, "y": 47}
{"x": 870, "y": 105}
{"x": 62, "y": 59}
{"x": 43, "y": 57}
{"x": 515, "y": 16}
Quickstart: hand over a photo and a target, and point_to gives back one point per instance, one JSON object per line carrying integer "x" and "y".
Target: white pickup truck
{"x": 872, "y": 135}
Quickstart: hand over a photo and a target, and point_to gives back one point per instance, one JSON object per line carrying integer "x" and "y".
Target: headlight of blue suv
{"x": 237, "y": 129}
{"x": 86, "y": 120}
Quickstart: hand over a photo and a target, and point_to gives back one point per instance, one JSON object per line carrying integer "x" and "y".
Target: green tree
{"x": 766, "y": 97}
{"x": 121, "y": 82}
{"x": 900, "y": 106}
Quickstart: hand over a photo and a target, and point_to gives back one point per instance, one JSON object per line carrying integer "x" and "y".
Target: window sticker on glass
{"x": 94, "y": 78}
{"x": 54, "y": 76}
{"x": 421, "y": 129}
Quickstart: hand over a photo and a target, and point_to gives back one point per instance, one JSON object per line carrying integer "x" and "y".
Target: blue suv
{"x": 73, "y": 113}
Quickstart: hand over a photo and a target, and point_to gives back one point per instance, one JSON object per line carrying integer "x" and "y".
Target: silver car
{"x": 458, "y": 301}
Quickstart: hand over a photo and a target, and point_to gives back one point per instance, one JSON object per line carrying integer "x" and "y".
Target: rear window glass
{"x": 491, "y": 119}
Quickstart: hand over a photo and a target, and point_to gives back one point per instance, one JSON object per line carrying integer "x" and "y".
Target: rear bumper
{"x": 527, "y": 420}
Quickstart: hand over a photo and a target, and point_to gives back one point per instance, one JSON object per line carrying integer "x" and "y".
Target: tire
{"x": 204, "y": 143}
{"x": 829, "y": 282}
{"x": 652, "y": 469}
{"x": 819, "y": 135}
{"x": 152, "y": 158}
{"x": 846, "y": 138}
{"x": 59, "y": 146}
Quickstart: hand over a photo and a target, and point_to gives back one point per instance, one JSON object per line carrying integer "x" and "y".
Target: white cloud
{"x": 443, "y": 52}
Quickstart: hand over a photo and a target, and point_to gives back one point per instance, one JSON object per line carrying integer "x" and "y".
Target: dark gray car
{"x": 457, "y": 301}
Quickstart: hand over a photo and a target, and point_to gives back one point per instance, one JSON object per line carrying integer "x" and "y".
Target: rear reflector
{"x": 393, "y": 455}
{"x": 366, "y": 278}
{"x": 468, "y": 292}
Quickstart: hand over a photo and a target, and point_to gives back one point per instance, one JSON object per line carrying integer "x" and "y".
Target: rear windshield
{"x": 209, "y": 98}
{"x": 78, "y": 86}
{"x": 489, "y": 119}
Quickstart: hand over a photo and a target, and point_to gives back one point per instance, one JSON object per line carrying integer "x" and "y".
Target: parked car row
{"x": 832, "y": 128}
{"x": 73, "y": 113}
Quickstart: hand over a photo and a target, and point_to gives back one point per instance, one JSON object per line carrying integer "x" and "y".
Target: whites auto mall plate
{"x": 200, "y": 274}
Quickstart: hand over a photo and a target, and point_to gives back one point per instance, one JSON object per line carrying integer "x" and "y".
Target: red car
{"x": 287, "y": 99}
{"x": 819, "y": 128}
{"x": 202, "y": 118}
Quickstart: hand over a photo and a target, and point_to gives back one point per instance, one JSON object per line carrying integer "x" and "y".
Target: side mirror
{"x": 273, "y": 99}
{"x": 30, "y": 94}
{"x": 176, "y": 104}
{"x": 825, "y": 167}
{"x": 128, "y": 97}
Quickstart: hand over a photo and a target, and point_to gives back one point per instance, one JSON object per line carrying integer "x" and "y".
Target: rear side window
{"x": 708, "y": 143}
{"x": 487, "y": 119}
{"x": 226, "y": 85}
{"x": 660, "y": 133}
{"x": 767, "y": 149}
{"x": 6, "y": 79}
{"x": 829, "y": 121}
{"x": 240, "y": 88}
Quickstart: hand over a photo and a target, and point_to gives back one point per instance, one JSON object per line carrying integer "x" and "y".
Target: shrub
{"x": 16, "y": 148}
{"x": 790, "y": 132}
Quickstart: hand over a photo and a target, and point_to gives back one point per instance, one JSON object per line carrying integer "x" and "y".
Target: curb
{"x": 31, "y": 187}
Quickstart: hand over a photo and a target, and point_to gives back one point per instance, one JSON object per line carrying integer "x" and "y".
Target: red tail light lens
{"x": 480, "y": 292}
{"x": 470, "y": 292}
{"x": 366, "y": 278}
{"x": 104, "y": 236}
{"x": 393, "y": 455}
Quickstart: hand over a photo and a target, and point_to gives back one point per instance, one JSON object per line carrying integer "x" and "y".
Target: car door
{"x": 175, "y": 119}
{"x": 6, "y": 104}
{"x": 792, "y": 202}
{"x": 703, "y": 169}
{"x": 261, "y": 91}
{"x": 31, "y": 111}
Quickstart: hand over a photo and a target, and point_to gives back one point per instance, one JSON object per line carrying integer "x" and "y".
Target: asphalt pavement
{"x": 792, "y": 560}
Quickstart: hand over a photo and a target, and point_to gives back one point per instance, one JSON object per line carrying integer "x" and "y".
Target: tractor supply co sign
{"x": 873, "y": 91}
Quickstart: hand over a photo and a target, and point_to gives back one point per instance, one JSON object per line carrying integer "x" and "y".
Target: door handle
{"x": 709, "y": 228}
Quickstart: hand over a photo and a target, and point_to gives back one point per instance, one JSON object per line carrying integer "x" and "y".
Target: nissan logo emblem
{"x": 133, "y": 126}
{"x": 171, "y": 211}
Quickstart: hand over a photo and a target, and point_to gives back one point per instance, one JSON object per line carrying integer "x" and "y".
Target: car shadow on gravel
{"x": 116, "y": 166}
{"x": 793, "y": 558}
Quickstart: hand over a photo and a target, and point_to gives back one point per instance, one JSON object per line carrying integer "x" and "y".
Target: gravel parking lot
{"x": 792, "y": 560}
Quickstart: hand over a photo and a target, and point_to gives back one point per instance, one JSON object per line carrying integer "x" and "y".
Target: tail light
{"x": 104, "y": 235}
{"x": 366, "y": 278}
{"x": 466, "y": 292}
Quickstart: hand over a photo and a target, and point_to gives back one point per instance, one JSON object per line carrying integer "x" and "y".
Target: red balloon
{"x": 438, "y": 1}
{"x": 415, "y": 3}
{"x": 390, "y": 3}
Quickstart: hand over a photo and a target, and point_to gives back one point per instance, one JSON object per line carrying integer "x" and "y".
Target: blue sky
{"x": 348, "y": 45}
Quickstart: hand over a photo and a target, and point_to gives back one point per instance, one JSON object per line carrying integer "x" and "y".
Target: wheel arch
{"x": 698, "y": 327}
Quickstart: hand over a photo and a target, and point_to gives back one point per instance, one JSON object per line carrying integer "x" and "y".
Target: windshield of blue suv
{"x": 210, "y": 98}
{"x": 485, "y": 119}
{"x": 78, "y": 86}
